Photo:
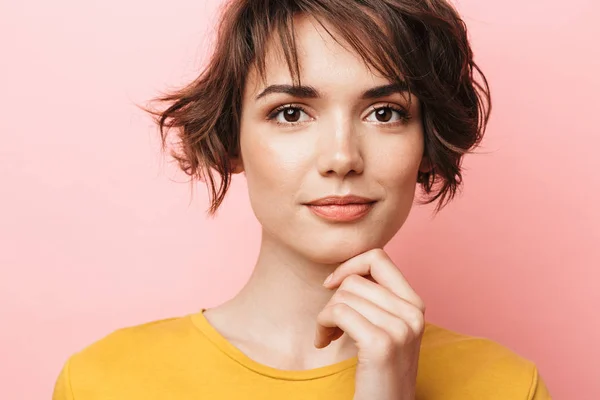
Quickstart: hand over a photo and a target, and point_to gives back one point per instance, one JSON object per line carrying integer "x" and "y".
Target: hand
{"x": 379, "y": 310}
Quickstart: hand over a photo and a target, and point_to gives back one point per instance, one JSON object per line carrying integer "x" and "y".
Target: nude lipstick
{"x": 341, "y": 208}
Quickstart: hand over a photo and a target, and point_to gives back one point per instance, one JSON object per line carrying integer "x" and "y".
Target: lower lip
{"x": 342, "y": 212}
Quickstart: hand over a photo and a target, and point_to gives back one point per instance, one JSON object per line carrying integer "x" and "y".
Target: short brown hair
{"x": 420, "y": 42}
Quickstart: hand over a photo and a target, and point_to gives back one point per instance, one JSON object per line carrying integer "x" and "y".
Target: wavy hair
{"x": 422, "y": 43}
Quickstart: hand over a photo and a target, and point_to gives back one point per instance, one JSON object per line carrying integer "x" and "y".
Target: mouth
{"x": 341, "y": 209}
{"x": 342, "y": 213}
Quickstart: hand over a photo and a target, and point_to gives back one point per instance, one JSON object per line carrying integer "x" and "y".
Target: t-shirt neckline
{"x": 204, "y": 326}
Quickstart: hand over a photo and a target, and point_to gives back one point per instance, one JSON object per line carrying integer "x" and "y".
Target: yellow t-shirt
{"x": 186, "y": 358}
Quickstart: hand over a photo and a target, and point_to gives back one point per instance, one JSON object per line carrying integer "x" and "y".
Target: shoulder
{"x": 129, "y": 351}
{"x": 452, "y": 364}
{"x": 146, "y": 338}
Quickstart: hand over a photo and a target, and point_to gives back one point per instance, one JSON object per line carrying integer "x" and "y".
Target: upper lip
{"x": 340, "y": 200}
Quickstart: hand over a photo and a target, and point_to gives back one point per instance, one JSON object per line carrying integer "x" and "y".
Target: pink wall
{"x": 95, "y": 235}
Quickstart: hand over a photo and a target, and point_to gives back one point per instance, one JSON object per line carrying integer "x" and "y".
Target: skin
{"x": 285, "y": 317}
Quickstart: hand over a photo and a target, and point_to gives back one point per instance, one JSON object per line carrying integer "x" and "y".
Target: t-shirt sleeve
{"x": 62, "y": 388}
{"x": 538, "y": 390}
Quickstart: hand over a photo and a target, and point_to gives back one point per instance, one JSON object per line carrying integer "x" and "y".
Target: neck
{"x": 280, "y": 302}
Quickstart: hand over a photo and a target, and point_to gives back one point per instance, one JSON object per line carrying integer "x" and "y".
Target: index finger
{"x": 378, "y": 264}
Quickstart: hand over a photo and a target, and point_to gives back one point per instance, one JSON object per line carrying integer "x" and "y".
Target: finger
{"x": 394, "y": 325}
{"x": 341, "y": 315}
{"x": 386, "y": 300}
{"x": 377, "y": 263}
{"x": 325, "y": 335}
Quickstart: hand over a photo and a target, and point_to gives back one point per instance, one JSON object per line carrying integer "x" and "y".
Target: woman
{"x": 334, "y": 110}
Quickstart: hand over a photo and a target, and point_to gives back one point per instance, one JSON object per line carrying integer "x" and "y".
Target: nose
{"x": 339, "y": 149}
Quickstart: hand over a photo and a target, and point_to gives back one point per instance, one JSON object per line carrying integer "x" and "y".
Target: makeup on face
{"x": 348, "y": 208}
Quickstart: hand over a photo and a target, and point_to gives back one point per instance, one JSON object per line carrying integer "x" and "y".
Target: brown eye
{"x": 384, "y": 114}
{"x": 288, "y": 115}
{"x": 291, "y": 114}
{"x": 388, "y": 115}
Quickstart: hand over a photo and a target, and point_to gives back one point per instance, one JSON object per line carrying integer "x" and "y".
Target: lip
{"x": 341, "y": 209}
{"x": 341, "y": 200}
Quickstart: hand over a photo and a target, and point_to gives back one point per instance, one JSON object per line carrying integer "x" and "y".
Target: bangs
{"x": 359, "y": 28}
{"x": 420, "y": 44}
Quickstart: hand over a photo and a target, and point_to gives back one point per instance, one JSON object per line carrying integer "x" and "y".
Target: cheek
{"x": 396, "y": 173}
{"x": 274, "y": 172}
{"x": 397, "y": 165}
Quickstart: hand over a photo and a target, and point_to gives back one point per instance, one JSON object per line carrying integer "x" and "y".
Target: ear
{"x": 237, "y": 165}
{"x": 425, "y": 165}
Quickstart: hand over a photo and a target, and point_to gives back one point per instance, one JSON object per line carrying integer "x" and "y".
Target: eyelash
{"x": 404, "y": 115}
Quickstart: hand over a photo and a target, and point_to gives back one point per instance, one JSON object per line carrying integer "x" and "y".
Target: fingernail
{"x": 328, "y": 279}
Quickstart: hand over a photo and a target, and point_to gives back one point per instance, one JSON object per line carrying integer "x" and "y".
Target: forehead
{"x": 323, "y": 61}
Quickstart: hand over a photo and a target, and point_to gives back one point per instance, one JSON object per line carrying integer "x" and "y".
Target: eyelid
{"x": 286, "y": 106}
{"x": 405, "y": 115}
{"x": 402, "y": 111}
{"x": 272, "y": 116}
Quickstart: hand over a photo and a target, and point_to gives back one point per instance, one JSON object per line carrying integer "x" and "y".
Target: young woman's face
{"x": 333, "y": 142}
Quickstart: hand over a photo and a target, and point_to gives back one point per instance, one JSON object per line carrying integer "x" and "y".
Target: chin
{"x": 335, "y": 250}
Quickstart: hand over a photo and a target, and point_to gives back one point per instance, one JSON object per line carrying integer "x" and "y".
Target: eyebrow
{"x": 309, "y": 92}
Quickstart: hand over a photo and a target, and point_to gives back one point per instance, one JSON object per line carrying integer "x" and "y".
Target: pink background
{"x": 96, "y": 234}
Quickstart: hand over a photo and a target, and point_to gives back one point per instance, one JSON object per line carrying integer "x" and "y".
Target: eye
{"x": 288, "y": 115}
{"x": 389, "y": 114}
